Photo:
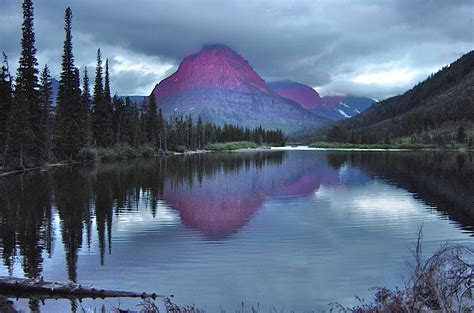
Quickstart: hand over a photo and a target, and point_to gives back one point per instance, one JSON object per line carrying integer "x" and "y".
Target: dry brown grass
{"x": 443, "y": 283}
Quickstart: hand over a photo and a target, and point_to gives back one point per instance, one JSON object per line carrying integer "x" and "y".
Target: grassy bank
{"x": 127, "y": 152}
{"x": 233, "y": 145}
{"x": 412, "y": 146}
{"x": 118, "y": 152}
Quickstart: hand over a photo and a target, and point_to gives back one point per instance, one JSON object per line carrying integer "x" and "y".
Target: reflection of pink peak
{"x": 308, "y": 184}
{"x": 222, "y": 203}
{"x": 306, "y": 96}
{"x": 217, "y": 215}
{"x": 215, "y": 67}
{"x": 302, "y": 187}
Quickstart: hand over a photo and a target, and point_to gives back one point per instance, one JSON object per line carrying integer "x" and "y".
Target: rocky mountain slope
{"x": 221, "y": 87}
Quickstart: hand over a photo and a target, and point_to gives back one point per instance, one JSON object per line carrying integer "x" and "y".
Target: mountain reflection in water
{"x": 215, "y": 194}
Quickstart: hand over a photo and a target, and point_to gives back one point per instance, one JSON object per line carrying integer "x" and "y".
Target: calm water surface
{"x": 289, "y": 229}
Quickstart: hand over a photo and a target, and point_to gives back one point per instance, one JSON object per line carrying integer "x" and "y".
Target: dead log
{"x": 41, "y": 168}
{"x": 40, "y": 289}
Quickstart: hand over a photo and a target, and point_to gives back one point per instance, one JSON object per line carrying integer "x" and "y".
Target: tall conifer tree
{"x": 86, "y": 105}
{"x": 161, "y": 129}
{"x": 6, "y": 98}
{"x": 151, "y": 121}
{"x": 70, "y": 120}
{"x": 200, "y": 133}
{"x": 24, "y": 147}
{"x": 118, "y": 115}
{"x": 107, "y": 95}
{"x": 101, "y": 115}
{"x": 46, "y": 93}
{"x": 86, "y": 95}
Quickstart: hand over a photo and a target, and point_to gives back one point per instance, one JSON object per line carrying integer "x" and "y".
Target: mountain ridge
{"x": 334, "y": 108}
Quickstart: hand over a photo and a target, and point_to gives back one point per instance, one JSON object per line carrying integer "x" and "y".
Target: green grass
{"x": 118, "y": 152}
{"x": 233, "y": 145}
{"x": 418, "y": 146}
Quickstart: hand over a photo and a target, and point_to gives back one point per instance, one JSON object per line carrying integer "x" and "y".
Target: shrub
{"x": 180, "y": 149}
{"x": 234, "y": 145}
{"x": 117, "y": 152}
{"x": 145, "y": 151}
{"x": 88, "y": 155}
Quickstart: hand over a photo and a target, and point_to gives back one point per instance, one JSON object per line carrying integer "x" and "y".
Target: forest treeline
{"x": 35, "y": 131}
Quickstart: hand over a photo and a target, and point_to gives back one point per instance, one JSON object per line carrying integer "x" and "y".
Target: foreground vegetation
{"x": 443, "y": 282}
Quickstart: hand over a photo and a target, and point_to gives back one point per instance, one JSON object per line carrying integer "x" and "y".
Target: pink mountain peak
{"x": 214, "y": 67}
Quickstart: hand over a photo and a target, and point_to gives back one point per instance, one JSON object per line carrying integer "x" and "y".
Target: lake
{"x": 286, "y": 229}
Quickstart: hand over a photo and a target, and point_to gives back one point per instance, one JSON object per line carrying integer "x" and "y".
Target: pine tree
{"x": 461, "y": 135}
{"x": 46, "y": 93}
{"x": 109, "y": 105}
{"x": 97, "y": 101}
{"x": 70, "y": 132}
{"x": 200, "y": 133}
{"x": 98, "y": 84}
{"x": 129, "y": 122}
{"x": 86, "y": 95}
{"x": 189, "y": 132}
{"x": 107, "y": 95}
{"x": 86, "y": 105}
{"x": 6, "y": 98}
{"x": 161, "y": 130}
{"x": 24, "y": 147}
{"x": 151, "y": 121}
{"x": 101, "y": 114}
{"x": 117, "y": 112}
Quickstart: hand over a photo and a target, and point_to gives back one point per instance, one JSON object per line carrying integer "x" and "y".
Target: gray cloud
{"x": 330, "y": 45}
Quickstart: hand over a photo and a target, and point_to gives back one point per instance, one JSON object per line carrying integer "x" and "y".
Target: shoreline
{"x": 397, "y": 147}
{"x": 262, "y": 148}
{"x": 309, "y": 148}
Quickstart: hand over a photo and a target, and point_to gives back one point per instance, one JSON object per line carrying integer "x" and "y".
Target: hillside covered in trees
{"x": 439, "y": 110}
{"x": 34, "y": 132}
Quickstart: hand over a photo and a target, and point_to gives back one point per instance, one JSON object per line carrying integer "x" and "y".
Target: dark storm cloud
{"x": 373, "y": 48}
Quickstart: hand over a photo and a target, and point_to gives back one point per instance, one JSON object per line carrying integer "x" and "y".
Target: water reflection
{"x": 216, "y": 195}
{"x": 443, "y": 180}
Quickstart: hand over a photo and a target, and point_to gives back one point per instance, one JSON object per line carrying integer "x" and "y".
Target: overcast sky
{"x": 367, "y": 48}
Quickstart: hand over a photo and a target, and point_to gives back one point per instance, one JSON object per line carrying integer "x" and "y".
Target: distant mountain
{"x": 303, "y": 94}
{"x": 346, "y": 106}
{"x": 334, "y": 108}
{"x": 431, "y": 112}
{"x": 137, "y": 99}
{"x": 221, "y": 87}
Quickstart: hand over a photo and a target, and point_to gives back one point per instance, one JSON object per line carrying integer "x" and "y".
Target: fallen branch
{"x": 40, "y": 289}
{"x": 41, "y": 168}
